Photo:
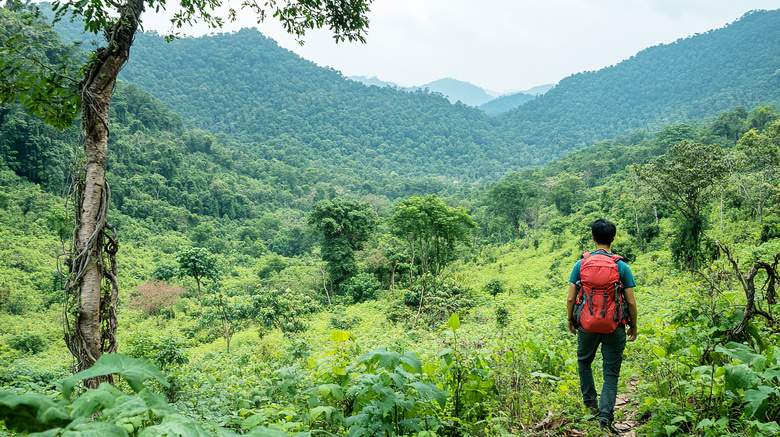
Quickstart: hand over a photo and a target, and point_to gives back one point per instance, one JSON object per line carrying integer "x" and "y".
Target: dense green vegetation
{"x": 505, "y": 103}
{"x": 244, "y": 85}
{"x": 274, "y": 296}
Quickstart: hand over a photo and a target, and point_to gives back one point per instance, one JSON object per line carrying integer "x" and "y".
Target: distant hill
{"x": 505, "y": 103}
{"x": 535, "y": 91}
{"x": 456, "y": 90}
{"x": 370, "y": 81}
{"x": 692, "y": 78}
{"x": 244, "y": 85}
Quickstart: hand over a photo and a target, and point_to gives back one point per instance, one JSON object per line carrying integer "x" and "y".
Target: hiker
{"x": 601, "y": 309}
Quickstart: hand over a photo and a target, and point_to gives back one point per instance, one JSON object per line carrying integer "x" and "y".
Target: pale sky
{"x": 499, "y": 45}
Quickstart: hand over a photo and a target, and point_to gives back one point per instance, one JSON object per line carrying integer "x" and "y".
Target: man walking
{"x": 601, "y": 320}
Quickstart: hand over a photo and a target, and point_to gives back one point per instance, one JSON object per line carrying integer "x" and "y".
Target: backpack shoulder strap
{"x": 586, "y": 255}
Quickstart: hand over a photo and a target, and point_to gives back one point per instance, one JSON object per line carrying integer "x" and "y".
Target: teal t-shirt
{"x": 626, "y": 277}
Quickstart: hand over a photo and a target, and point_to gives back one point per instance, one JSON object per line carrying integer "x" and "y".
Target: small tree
{"x": 229, "y": 311}
{"x": 199, "y": 263}
{"x": 685, "y": 177}
{"x": 565, "y": 193}
{"x": 760, "y": 165}
{"x": 154, "y": 296}
{"x": 510, "y": 199}
{"x": 432, "y": 231}
{"x": 344, "y": 225}
{"x": 285, "y": 309}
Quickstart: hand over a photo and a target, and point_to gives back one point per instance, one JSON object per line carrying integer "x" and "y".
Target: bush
{"x": 155, "y": 296}
{"x": 286, "y": 310}
{"x": 27, "y": 342}
{"x": 344, "y": 322}
{"x": 165, "y": 353}
{"x": 165, "y": 270}
{"x": 494, "y": 287}
{"x": 502, "y": 317}
{"x": 271, "y": 264}
{"x": 441, "y": 296}
{"x": 362, "y": 287}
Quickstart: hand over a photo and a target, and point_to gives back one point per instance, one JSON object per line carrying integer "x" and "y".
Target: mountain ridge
{"x": 468, "y": 93}
{"x": 243, "y": 84}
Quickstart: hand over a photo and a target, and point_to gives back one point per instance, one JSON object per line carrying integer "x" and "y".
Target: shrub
{"x": 164, "y": 271}
{"x": 362, "y": 287}
{"x": 502, "y": 317}
{"x": 155, "y": 296}
{"x": 344, "y": 322}
{"x": 441, "y": 296}
{"x": 285, "y": 310}
{"x": 165, "y": 353}
{"x": 27, "y": 342}
{"x": 494, "y": 287}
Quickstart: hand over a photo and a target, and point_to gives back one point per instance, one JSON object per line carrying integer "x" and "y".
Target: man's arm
{"x": 632, "y": 312}
{"x": 570, "y": 300}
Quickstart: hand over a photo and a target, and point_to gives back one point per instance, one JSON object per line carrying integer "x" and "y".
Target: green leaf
{"x": 316, "y": 412}
{"x": 740, "y": 377}
{"x": 705, "y": 423}
{"x": 412, "y": 360}
{"x": 175, "y": 425}
{"x": 333, "y": 389}
{"x": 659, "y": 351}
{"x": 773, "y": 373}
{"x": 340, "y": 336}
{"x": 32, "y": 412}
{"x": 253, "y": 420}
{"x": 92, "y": 401}
{"x": 769, "y": 428}
{"x": 743, "y": 354}
{"x": 454, "y": 322}
{"x": 431, "y": 392}
{"x": 133, "y": 370}
{"x": 756, "y": 401}
{"x": 97, "y": 429}
{"x": 670, "y": 429}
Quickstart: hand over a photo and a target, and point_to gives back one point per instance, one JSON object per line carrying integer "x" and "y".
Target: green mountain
{"x": 244, "y": 85}
{"x": 692, "y": 78}
{"x": 506, "y": 103}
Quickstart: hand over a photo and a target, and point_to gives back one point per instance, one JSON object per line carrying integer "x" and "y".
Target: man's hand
{"x": 632, "y": 332}
{"x": 572, "y": 326}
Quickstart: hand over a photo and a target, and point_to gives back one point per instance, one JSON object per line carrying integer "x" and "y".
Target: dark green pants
{"x": 612, "y": 346}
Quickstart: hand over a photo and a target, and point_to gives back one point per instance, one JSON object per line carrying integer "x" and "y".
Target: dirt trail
{"x": 629, "y": 424}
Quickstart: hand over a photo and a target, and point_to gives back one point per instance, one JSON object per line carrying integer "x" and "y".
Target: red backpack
{"x": 600, "y": 302}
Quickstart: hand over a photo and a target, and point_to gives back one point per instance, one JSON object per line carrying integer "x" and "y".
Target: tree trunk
{"x": 90, "y": 320}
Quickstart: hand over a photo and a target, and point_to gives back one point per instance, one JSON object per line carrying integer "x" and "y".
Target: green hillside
{"x": 692, "y": 78}
{"x": 503, "y": 104}
{"x": 244, "y": 85}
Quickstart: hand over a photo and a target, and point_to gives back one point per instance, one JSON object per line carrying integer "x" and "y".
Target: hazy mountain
{"x": 505, "y": 103}
{"x": 369, "y": 81}
{"x": 455, "y": 90}
{"x": 537, "y": 90}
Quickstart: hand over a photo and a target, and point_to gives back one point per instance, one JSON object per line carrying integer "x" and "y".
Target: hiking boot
{"x": 593, "y": 413}
{"x": 608, "y": 427}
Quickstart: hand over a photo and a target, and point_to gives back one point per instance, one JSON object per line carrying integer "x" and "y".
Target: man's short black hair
{"x": 603, "y": 231}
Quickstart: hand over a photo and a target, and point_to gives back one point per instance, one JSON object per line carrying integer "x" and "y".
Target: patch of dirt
{"x": 624, "y": 403}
